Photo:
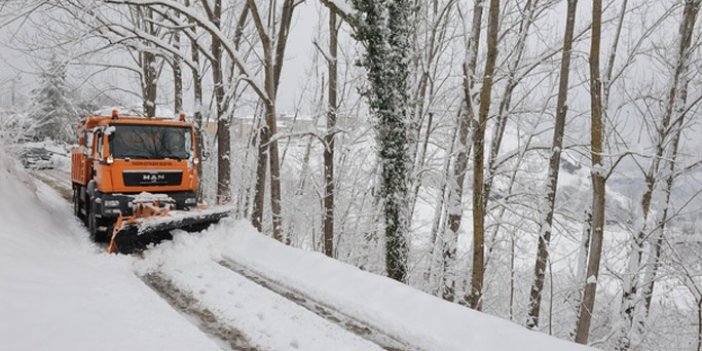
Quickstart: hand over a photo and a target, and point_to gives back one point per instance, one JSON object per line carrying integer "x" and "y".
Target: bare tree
{"x": 273, "y": 59}
{"x": 455, "y": 195}
{"x": 474, "y": 297}
{"x": 667, "y": 140}
{"x": 329, "y": 145}
{"x": 598, "y": 180}
{"x": 554, "y": 168}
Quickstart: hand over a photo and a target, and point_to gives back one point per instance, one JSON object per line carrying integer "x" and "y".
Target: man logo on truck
{"x": 153, "y": 178}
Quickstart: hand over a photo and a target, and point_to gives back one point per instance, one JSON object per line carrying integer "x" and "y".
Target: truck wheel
{"x": 93, "y": 227}
{"x": 76, "y": 203}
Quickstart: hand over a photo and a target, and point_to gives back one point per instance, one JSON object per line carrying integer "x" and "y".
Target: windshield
{"x": 150, "y": 142}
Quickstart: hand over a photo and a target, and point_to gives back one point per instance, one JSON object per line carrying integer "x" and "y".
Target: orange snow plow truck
{"x": 135, "y": 179}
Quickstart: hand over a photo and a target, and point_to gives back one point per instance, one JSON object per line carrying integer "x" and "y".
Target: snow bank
{"x": 60, "y": 292}
{"x": 267, "y": 320}
{"x": 422, "y": 320}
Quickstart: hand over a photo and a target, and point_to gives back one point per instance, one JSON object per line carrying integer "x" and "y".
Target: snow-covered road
{"x": 59, "y": 291}
{"x": 228, "y": 287}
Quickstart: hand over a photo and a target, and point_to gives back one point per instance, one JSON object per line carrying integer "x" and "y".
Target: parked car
{"x": 36, "y": 158}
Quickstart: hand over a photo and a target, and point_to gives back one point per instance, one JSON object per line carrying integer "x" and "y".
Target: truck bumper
{"x": 112, "y": 205}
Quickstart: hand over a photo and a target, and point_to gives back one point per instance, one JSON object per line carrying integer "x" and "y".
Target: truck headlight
{"x": 111, "y": 203}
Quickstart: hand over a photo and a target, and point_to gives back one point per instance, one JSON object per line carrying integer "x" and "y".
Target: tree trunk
{"x": 474, "y": 296}
{"x": 455, "y": 199}
{"x": 149, "y": 83}
{"x": 259, "y": 195}
{"x": 177, "y": 77}
{"x": 598, "y": 180}
{"x": 273, "y": 59}
{"x": 653, "y": 263}
{"x": 328, "y": 217}
{"x": 197, "y": 115}
{"x": 385, "y": 29}
{"x": 149, "y": 73}
{"x": 223, "y": 125}
{"x": 273, "y": 156}
{"x": 440, "y": 217}
{"x": 197, "y": 107}
{"x": 554, "y": 166}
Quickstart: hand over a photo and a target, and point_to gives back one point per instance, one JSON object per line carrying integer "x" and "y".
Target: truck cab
{"x": 119, "y": 158}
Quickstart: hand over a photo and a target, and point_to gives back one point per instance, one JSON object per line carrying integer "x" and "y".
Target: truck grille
{"x": 152, "y": 178}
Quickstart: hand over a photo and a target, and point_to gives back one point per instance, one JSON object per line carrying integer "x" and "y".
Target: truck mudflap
{"x": 153, "y": 220}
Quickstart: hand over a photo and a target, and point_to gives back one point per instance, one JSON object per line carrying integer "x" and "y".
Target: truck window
{"x": 151, "y": 142}
{"x": 88, "y": 139}
{"x": 98, "y": 149}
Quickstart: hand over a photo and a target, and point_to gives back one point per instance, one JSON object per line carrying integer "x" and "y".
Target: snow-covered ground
{"x": 60, "y": 291}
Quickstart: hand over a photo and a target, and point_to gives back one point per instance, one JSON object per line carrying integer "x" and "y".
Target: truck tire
{"x": 76, "y": 203}
{"x": 96, "y": 234}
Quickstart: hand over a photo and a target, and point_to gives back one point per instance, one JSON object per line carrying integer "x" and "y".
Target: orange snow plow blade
{"x": 153, "y": 220}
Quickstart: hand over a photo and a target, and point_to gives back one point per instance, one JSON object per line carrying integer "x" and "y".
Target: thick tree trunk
{"x": 274, "y": 166}
{"x": 385, "y": 30}
{"x": 260, "y": 193}
{"x": 328, "y": 218}
{"x": 554, "y": 166}
{"x": 598, "y": 180}
{"x": 474, "y": 296}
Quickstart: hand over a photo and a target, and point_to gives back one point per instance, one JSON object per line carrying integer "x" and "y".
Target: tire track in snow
{"x": 201, "y": 317}
{"x": 322, "y": 309}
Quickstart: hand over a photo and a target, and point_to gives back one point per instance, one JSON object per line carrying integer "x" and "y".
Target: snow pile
{"x": 396, "y": 309}
{"x": 60, "y": 292}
